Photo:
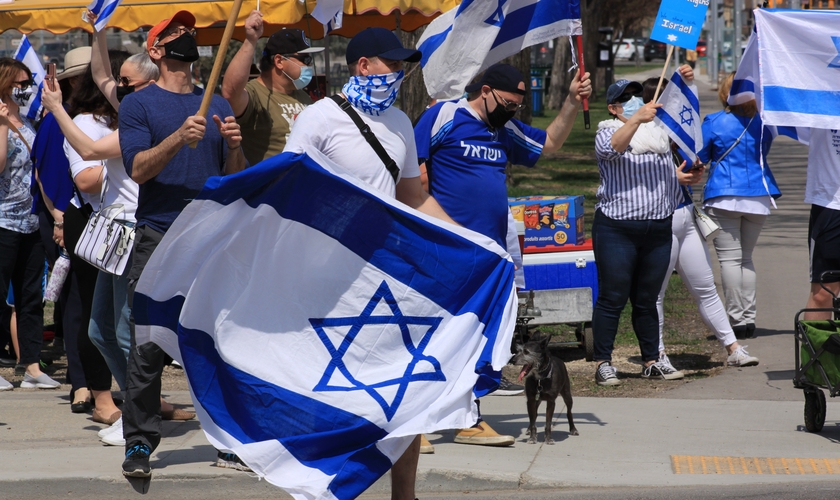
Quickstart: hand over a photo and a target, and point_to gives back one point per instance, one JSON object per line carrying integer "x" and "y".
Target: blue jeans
{"x": 632, "y": 257}
{"x": 109, "y": 328}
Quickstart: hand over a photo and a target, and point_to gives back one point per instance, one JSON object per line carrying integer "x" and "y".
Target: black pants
{"x": 141, "y": 410}
{"x": 22, "y": 264}
{"x": 92, "y": 370}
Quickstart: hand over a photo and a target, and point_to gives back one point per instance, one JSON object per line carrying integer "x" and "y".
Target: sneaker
{"x": 668, "y": 369}
{"x": 605, "y": 374}
{"x": 426, "y": 447}
{"x": 661, "y": 371}
{"x": 5, "y": 385}
{"x": 507, "y": 388}
{"x": 482, "y": 434}
{"x": 136, "y": 462}
{"x": 111, "y": 428}
{"x": 42, "y": 381}
{"x": 114, "y": 439}
{"x": 741, "y": 358}
{"x": 231, "y": 461}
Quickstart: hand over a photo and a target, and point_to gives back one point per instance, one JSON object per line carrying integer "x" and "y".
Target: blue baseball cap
{"x": 379, "y": 42}
{"x": 618, "y": 88}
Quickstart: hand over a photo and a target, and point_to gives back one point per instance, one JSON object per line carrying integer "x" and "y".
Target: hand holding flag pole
{"x": 585, "y": 100}
{"x": 217, "y": 64}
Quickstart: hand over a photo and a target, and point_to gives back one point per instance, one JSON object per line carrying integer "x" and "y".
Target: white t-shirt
{"x": 325, "y": 127}
{"x": 120, "y": 188}
{"x": 759, "y": 205}
{"x": 823, "y": 180}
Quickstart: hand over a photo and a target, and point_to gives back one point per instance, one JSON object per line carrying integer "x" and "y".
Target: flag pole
{"x": 579, "y": 44}
{"x": 664, "y": 69}
{"x": 217, "y": 64}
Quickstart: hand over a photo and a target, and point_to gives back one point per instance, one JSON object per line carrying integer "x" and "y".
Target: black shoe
{"x": 136, "y": 463}
{"x": 740, "y": 332}
{"x": 80, "y": 407}
{"x": 750, "y": 331}
{"x": 508, "y": 389}
{"x": 7, "y": 362}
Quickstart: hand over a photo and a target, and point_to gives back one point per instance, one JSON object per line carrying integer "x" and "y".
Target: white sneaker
{"x": 116, "y": 426}
{"x": 114, "y": 438}
{"x": 741, "y": 358}
{"x": 42, "y": 381}
{"x": 667, "y": 369}
{"x": 5, "y": 385}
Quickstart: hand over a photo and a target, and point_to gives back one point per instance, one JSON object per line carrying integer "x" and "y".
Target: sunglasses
{"x": 626, "y": 97}
{"x": 509, "y": 106}
{"x": 25, "y": 83}
{"x": 304, "y": 58}
{"x": 126, "y": 82}
{"x": 177, "y": 31}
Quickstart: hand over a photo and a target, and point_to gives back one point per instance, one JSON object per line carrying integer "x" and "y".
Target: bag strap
{"x": 368, "y": 134}
{"x": 736, "y": 140}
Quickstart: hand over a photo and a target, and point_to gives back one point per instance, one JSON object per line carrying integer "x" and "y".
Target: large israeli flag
{"x": 478, "y": 33}
{"x": 680, "y": 115}
{"x": 27, "y": 55}
{"x": 103, "y": 9}
{"x": 323, "y": 325}
{"x": 799, "y": 62}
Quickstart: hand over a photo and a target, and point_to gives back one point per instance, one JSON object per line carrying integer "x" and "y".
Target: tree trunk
{"x": 522, "y": 62}
{"x": 413, "y": 96}
{"x": 590, "y": 14}
{"x": 560, "y": 76}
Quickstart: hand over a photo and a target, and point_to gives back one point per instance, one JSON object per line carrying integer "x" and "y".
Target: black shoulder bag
{"x": 368, "y": 134}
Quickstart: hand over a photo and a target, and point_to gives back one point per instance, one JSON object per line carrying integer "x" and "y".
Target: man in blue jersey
{"x": 466, "y": 146}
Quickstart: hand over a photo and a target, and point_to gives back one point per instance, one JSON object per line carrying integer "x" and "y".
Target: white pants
{"x": 734, "y": 246}
{"x": 690, "y": 255}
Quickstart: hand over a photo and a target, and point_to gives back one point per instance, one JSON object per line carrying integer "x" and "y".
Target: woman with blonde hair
{"x": 738, "y": 197}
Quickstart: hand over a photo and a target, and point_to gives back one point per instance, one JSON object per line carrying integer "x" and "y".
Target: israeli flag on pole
{"x": 799, "y": 63}
{"x": 27, "y": 55}
{"x": 103, "y": 9}
{"x": 479, "y": 33}
{"x": 323, "y": 325}
{"x": 680, "y": 115}
{"x": 747, "y": 76}
{"x": 329, "y": 13}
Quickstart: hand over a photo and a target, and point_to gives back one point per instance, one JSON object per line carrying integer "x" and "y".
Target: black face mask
{"x": 123, "y": 91}
{"x": 184, "y": 48}
{"x": 499, "y": 116}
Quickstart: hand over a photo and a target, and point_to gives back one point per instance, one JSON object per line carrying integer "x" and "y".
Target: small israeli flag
{"x": 329, "y": 13}
{"x": 103, "y": 9}
{"x": 323, "y": 325}
{"x": 680, "y": 115}
{"x": 27, "y": 55}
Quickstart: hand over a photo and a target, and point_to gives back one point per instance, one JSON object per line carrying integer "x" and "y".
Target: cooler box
{"x": 550, "y": 222}
{"x": 572, "y": 266}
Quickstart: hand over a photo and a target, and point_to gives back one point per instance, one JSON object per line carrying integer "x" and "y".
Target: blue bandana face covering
{"x": 373, "y": 94}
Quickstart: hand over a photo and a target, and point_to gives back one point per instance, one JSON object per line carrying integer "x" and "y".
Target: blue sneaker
{"x": 136, "y": 462}
{"x": 231, "y": 461}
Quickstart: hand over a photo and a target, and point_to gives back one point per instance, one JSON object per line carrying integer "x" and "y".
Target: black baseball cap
{"x": 379, "y": 42}
{"x": 289, "y": 41}
{"x": 618, "y": 88}
{"x": 499, "y": 76}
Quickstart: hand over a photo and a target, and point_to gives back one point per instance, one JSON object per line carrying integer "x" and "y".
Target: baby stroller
{"x": 818, "y": 359}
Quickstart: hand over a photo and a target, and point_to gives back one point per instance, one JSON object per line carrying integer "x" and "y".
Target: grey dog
{"x": 545, "y": 379}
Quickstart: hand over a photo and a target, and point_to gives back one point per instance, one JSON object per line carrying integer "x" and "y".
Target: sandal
{"x": 177, "y": 414}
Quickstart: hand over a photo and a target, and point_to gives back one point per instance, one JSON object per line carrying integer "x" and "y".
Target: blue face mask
{"x": 373, "y": 94}
{"x": 302, "y": 80}
{"x": 630, "y": 107}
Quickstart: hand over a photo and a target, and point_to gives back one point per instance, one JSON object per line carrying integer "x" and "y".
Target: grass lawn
{"x": 630, "y": 69}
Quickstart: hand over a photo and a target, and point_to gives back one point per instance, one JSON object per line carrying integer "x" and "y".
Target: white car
{"x": 627, "y": 48}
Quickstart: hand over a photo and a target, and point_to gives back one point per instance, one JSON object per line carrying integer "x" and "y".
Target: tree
{"x": 413, "y": 96}
{"x": 590, "y": 16}
{"x": 561, "y": 77}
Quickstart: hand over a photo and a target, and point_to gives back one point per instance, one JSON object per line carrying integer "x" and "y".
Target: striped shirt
{"x": 634, "y": 186}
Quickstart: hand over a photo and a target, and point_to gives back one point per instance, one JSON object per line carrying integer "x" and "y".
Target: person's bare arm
{"x": 235, "y": 160}
{"x": 559, "y": 128}
{"x": 100, "y": 64}
{"x": 236, "y": 75}
{"x": 89, "y": 180}
{"x": 4, "y": 134}
{"x": 147, "y": 164}
{"x": 410, "y": 191}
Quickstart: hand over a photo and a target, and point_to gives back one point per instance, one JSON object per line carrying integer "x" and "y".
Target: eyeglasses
{"x": 626, "y": 97}
{"x": 304, "y": 58}
{"x": 24, "y": 83}
{"x": 126, "y": 82}
{"x": 509, "y": 106}
{"x": 181, "y": 30}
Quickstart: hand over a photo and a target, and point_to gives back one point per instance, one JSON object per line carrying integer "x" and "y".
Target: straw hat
{"x": 76, "y": 62}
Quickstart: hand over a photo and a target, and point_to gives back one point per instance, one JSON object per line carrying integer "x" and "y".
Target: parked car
{"x": 627, "y": 48}
{"x": 701, "y": 48}
{"x": 654, "y": 50}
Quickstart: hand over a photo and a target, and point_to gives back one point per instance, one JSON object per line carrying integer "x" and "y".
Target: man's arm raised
{"x": 559, "y": 128}
{"x": 236, "y": 75}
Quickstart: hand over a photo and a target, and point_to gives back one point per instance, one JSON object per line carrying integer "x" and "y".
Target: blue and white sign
{"x": 679, "y": 22}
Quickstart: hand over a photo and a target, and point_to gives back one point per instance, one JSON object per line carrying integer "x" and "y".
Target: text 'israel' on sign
{"x": 679, "y": 22}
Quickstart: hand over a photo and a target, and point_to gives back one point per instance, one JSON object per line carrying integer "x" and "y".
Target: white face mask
{"x": 21, "y": 96}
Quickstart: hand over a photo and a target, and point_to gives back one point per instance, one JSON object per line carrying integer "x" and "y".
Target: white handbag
{"x": 707, "y": 227}
{"x": 106, "y": 242}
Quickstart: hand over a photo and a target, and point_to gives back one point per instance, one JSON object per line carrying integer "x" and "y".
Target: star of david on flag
{"x": 680, "y": 106}
{"x": 322, "y": 325}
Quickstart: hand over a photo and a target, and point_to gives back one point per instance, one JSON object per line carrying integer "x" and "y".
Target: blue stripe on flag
{"x": 397, "y": 245}
{"x": 533, "y": 17}
{"x": 686, "y": 91}
{"x": 431, "y": 44}
{"x": 804, "y": 101}
{"x": 24, "y": 47}
{"x": 740, "y": 86}
{"x": 671, "y": 124}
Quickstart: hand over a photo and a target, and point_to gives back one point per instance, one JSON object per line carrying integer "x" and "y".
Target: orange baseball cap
{"x": 184, "y": 17}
